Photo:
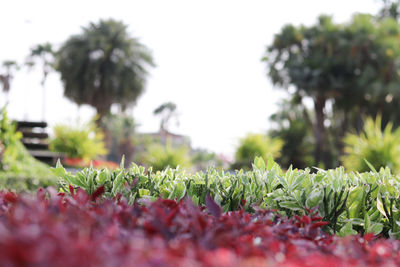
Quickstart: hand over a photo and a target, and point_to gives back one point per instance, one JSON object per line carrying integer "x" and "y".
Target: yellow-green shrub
{"x": 86, "y": 142}
{"x": 256, "y": 145}
{"x": 379, "y": 148}
{"x": 161, "y": 156}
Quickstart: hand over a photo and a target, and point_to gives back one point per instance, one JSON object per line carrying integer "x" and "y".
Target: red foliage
{"x": 52, "y": 229}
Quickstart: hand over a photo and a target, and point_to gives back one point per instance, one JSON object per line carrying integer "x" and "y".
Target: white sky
{"x": 208, "y": 55}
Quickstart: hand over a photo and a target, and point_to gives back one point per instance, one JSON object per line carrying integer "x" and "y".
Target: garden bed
{"x": 53, "y": 229}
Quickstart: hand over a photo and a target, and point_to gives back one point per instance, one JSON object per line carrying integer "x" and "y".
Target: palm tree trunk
{"x": 102, "y": 112}
{"x": 319, "y": 131}
{"x": 342, "y": 132}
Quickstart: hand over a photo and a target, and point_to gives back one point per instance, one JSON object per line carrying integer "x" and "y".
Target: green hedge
{"x": 352, "y": 202}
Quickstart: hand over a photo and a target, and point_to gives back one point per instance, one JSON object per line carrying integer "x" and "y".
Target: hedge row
{"x": 351, "y": 202}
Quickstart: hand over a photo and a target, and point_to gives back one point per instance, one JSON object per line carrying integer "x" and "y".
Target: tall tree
{"x": 303, "y": 57}
{"x": 391, "y": 8}
{"x": 103, "y": 65}
{"x": 43, "y": 53}
{"x": 167, "y": 111}
{"x": 9, "y": 67}
{"x": 353, "y": 66}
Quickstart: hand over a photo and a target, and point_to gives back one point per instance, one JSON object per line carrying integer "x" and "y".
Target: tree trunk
{"x": 102, "y": 112}
{"x": 342, "y": 132}
{"x": 319, "y": 131}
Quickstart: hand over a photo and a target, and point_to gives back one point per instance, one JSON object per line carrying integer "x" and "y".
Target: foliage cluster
{"x": 57, "y": 230}
{"x": 18, "y": 169}
{"x": 350, "y": 202}
{"x": 256, "y": 145}
{"x": 373, "y": 146}
{"x": 85, "y": 142}
{"x": 103, "y": 65}
{"x": 160, "y": 156}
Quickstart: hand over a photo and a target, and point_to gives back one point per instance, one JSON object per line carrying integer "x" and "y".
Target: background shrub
{"x": 86, "y": 142}
{"x": 379, "y": 148}
{"x": 256, "y": 145}
{"x": 161, "y": 156}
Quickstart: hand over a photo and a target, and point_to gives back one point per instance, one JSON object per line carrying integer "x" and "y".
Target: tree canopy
{"x": 45, "y": 54}
{"x": 103, "y": 65}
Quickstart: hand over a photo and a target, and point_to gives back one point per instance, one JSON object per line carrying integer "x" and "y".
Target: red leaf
{"x": 317, "y": 218}
{"x": 169, "y": 203}
{"x": 11, "y": 197}
{"x": 306, "y": 219}
{"x": 213, "y": 207}
{"x": 318, "y": 224}
{"x": 71, "y": 190}
{"x": 41, "y": 194}
{"x": 368, "y": 237}
{"x": 99, "y": 191}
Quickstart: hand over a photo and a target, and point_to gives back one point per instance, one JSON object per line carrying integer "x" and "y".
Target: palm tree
{"x": 45, "y": 54}
{"x": 166, "y": 111}
{"x": 102, "y": 66}
{"x": 6, "y": 77}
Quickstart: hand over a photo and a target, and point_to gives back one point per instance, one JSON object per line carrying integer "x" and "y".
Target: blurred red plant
{"x": 53, "y": 229}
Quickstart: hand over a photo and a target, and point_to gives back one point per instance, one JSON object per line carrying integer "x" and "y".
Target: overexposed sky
{"x": 208, "y": 56}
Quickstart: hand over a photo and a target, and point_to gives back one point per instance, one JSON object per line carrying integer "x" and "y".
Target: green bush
{"x": 256, "y": 145}
{"x": 18, "y": 169}
{"x": 86, "y": 141}
{"x": 160, "y": 156}
{"x": 379, "y": 148}
{"x": 203, "y": 159}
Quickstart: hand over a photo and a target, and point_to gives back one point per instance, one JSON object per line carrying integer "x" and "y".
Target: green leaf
{"x": 118, "y": 183}
{"x": 367, "y": 223}
{"x": 347, "y": 229}
{"x": 283, "y": 181}
{"x": 259, "y": 163}
{"x": 122, "y": 164}
{"x": 336, "y": 185}
{"x": 103, "y": 177}
{"x": 370, "y": 166}
{"x": 315, "y": 198}
{"x": 355, "y": 202}
{"x": 195, "y": 200}
{"x": 59, "y": 170}
{"x": 376, "y": 228}
{"x": 291, "y": 205}
{"x": 270, "y": 163}
{"x": 143, "y": 192}
{"x": 379, "y": 205}
{"x": 298, "y": 181}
